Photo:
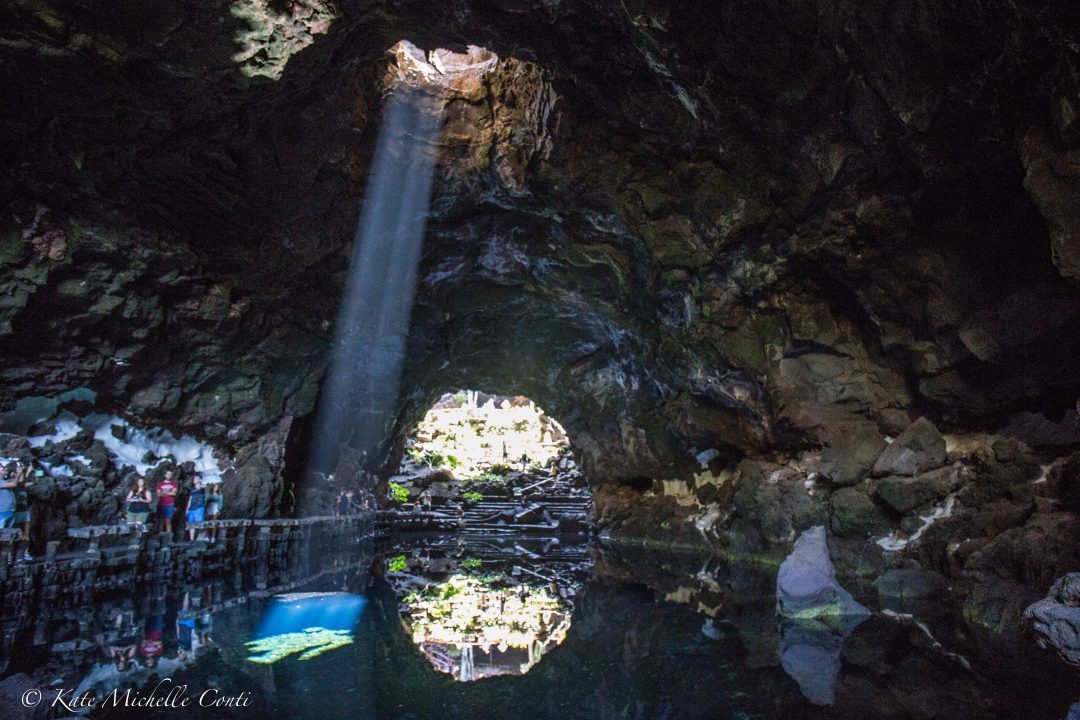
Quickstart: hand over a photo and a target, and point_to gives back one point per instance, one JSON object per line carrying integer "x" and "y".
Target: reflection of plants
{"x": 398, "y": 492}
{"x": 397, "y": 564}
{"x": 472, "y": 497}
{"x": 471, "y": 563}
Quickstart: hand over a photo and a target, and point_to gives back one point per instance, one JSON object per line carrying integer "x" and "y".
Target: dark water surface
{"x": 442, "y": 627}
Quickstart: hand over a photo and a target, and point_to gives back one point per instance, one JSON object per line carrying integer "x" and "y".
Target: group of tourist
{"x": 129, "y": 647}
{"x": 201, "y": 504}
{"x": 347, "y": 504}
{"x": 14, "y": 500}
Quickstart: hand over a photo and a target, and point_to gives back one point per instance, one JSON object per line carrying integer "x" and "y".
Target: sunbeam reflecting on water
{"x": 306, "y": 623}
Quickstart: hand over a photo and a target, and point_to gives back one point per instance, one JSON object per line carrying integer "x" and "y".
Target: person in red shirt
{"x": 166, "y": 504}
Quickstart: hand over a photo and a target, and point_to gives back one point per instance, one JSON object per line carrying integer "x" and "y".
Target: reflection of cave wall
{"x": 636, "y": 646}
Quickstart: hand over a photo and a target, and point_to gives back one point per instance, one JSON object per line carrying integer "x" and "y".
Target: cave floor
{"x": 451, "y": 625}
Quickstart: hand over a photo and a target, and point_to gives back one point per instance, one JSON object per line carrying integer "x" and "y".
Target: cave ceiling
{"x": 754, "y": 226}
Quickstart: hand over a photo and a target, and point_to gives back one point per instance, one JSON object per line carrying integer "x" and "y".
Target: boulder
{"x": 1056, "y": 618}
{"x": 850, "y": 456}
{"x": 853, "y": 514}
{"x": 905, "y": 494}
{"x": 806, "y": 585}
{"x": 918, "y": 449}
{"x": 774, "y": 502}
{"x": 910, "y": 584}
{"x": 1063, "y": 479}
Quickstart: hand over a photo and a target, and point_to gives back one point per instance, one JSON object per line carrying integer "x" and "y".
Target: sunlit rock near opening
{"x": 498, "y": 461}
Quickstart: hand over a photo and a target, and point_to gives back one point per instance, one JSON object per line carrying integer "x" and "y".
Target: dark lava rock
{"x": 1011, "y": 571}
{"x": 1063, "y": 481}
{"x": 905, "y": 494}
{"x": 853, "y": 514}
{"x": 774, "y": 501}
{"x": 12, "y": 689}
{"x": 910, "y": 584}
{"x": 918, "y": 449}
{"x": 850, "y": 456}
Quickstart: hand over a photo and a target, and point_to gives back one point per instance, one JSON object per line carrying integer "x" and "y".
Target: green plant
{"x": 433, "y": 459}
{"x": 472, "y": 497}
{"x": 471, "y": 563}
{"x": 397, "y": 564}
{"x": 398, "y": 493}
{"x": 489, "y": 477}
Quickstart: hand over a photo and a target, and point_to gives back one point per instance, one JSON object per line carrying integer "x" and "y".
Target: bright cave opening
{"x": 499, "y": 461}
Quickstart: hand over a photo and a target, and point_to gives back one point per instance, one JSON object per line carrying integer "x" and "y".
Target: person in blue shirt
{"x": 196, "y": 505}
{"x": 8, "y": 482}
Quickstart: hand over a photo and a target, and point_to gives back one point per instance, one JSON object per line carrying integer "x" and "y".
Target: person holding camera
{"x": 8, "y": 483}
{"x": 138, "y": 502}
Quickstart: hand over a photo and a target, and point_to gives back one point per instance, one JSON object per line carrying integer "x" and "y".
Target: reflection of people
{"x": 122, "y": 650}
{"x": 185, "y": 629}
{"x": 204, "y": 625}
{"x": 22, "y": 504}
{"x": 151, "y": 646}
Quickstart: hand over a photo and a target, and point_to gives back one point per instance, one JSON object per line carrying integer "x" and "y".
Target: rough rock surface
{"x": 12, "y": 689}
{"x": 806, "y": 584}
{"x": 918, "y": 449}
{"x": 1056, "y": 618}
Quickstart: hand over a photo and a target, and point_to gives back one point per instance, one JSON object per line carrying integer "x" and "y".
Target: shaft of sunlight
{"x": 360, "y": 392}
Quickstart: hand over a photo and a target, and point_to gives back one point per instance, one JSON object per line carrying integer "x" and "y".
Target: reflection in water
{"x": 653, "y": 636}
{"x": 306, "y": 623}
{"x": 476, "y": 626}
{"x": 810, "y": 654}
